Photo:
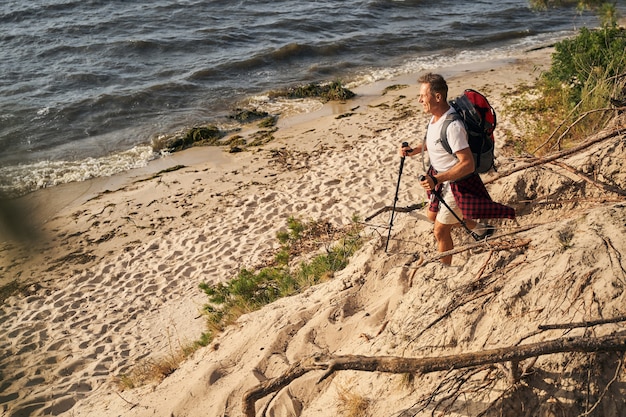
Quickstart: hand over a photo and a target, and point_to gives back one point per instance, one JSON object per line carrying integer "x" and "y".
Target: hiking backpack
{"x": 473, "y": 109}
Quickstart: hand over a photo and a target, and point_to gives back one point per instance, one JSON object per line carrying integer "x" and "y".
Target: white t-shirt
{"x": 457, "y": 139}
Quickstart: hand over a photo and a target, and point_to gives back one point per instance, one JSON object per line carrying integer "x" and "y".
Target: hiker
{"x": 452, "y": 175}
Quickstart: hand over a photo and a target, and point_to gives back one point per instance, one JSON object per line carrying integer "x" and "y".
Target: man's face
{"x": 426, "y": 98}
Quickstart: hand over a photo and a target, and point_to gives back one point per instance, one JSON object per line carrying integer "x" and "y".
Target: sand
{"x": 113, "y": 279}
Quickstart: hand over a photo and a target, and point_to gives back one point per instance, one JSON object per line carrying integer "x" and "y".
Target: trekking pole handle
{"x": 405, "y": 145}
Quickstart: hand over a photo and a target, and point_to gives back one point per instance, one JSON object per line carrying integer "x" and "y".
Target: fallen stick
{"x": 406, "y": 209}
{"x": 490, "y": 243}
{"x": 544, "y": 201}
{"x": 558, "y": 155}
{"x": 582, "y": 323}
{"x": 401, "y": 365}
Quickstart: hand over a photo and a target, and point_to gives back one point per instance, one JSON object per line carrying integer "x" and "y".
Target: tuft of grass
{"x": 351, "y": 404}
{"x": 153, "y": 370}
{"x": 407, "y": 380}
{"x": 252, "y": 289}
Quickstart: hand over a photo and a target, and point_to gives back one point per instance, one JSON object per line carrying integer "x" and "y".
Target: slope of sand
{"x": 115, "y": 281}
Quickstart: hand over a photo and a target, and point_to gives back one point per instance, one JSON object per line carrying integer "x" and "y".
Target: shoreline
{"x": 50, "y": 173}
{"x": 117, "y": 281}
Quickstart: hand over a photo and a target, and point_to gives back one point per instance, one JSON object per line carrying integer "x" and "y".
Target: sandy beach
{"x": 113, "y": 278}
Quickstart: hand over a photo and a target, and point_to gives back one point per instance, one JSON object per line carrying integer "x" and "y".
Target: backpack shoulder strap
{"x": 444, "y": 130}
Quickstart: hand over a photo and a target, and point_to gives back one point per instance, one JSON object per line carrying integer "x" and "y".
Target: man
{"x": 452, "y": 175}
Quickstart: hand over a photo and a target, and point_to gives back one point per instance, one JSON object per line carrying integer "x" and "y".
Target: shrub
{"x": 573, "y": 98}
{"x": 586, "y": 61}
{"x": 250, "y": 290}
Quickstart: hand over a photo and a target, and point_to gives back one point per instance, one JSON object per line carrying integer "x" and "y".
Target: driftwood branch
{"x": 406, "y": 209}
{"x": 601, "y": 185}
{"x": 491, "y": 243}
{"x": 545, "y": 201}
{"x": 590, "y": 323}
{"x": 276, "y": 384}
{"x": 400, "y": 365}
{"x": 615, "y": 132}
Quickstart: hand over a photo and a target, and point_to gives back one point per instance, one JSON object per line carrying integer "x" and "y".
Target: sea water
{"x": 87, "y": 85}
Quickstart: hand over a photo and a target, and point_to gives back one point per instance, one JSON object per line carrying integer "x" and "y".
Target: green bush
{"x": 586, "y": 61}
{"x": 251, "y": 290}
{"x": 572, "y": 99}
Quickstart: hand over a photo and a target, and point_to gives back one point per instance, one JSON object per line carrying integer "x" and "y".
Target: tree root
{"x": 608, "y": 135}
{"x": 400, "y": 365}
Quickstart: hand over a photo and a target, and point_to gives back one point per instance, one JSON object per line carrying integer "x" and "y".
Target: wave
{"x": 22, "y": 179}
{"x": 34, "y": 11}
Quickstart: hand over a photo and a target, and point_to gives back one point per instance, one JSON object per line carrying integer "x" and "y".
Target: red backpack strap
{"x": 486, "y": 111}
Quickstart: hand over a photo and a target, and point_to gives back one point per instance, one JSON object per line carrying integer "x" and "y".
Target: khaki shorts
{"x": 444, "y": 215}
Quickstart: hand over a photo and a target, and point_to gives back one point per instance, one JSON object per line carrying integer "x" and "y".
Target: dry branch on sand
{"x": 605, "y": 135}
{"x": 400, "y": 365}
{"x": 406, "y": 209}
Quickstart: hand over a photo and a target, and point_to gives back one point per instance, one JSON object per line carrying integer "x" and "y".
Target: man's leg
{"x": 445, "y": 220}
{"x": 444, "y": 240}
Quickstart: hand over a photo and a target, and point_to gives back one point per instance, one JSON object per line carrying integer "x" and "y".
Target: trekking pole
{"x": 395, "y": 199}
{"x": 442, "y": 201}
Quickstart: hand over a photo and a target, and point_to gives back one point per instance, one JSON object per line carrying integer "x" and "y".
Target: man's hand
{"x": 427, "y": 182}
{"x": 405, "y": 150}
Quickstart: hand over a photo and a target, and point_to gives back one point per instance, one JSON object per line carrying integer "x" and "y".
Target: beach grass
{"x": 252, "y": 289}
{"x": 577, "y": 96}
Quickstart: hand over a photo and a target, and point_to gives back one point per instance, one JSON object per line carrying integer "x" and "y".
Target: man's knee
{"x": 442, "y": 231}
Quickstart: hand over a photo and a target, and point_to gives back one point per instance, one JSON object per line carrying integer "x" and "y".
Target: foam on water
{"x": 20, "y": 179}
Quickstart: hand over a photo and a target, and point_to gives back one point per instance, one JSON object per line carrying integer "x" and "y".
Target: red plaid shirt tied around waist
{"x": 473, "y": 199}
